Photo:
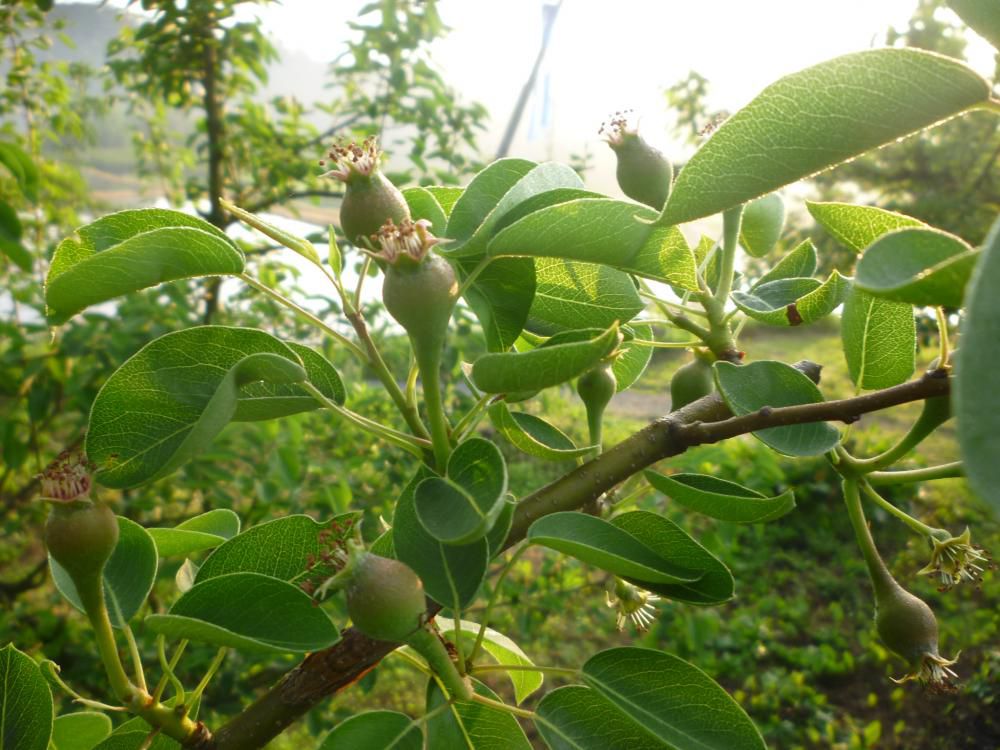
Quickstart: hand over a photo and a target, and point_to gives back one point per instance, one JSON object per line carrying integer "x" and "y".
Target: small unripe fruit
{"x": 370, "y": 199}
{"x": 597, "y": 387}
{"x": 644, "y": 174}
{"x": 81, "y": 537}
{"x": 420, "y": 297}
{"x": 906, "y": 624}
{"x": 691, "y": 382}
{"x": 385, "y": 598}
{"x": 368, "y": 203}
{"x": 762, "y": 224}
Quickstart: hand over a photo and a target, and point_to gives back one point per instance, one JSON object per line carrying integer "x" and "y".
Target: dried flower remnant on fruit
{"x": 954, "y": 559}
{"x": 410, "y": 241}
{"x": 632, "y": 603}
{"x": 68, "y": 478}
{"x": 330, "y": 559}
{"x": 618, "y": 127}
{"x": 933, "y": 672}
{"x": 352, "y": 159}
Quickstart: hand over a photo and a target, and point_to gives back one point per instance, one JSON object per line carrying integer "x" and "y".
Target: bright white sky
{"x": 606, "y": 56}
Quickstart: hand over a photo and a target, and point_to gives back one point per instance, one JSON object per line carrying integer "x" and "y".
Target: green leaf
{"x": 762, "y": 223}
{"x": 749, "y": 388}
{"x": 282, "y": 548}
{"x": 578, "y": 718}
{"x": 131, "y": 250}
{"x": 451, "y": 574}
{"x": 423, "y": 205}
{"x": 541, "y": 179}
{"x": 501, "y": 529}
{"x": 463, "y": 507}
{"x": 879, "y": 339}
{"x": 799, "y": 263}
{"x": 10, "y": 237}
{"x": 128, "y": 575}
{"x": 196, "y": 534}
{"x": 543, "y": 200}
{"x": 542, "y": 367}
{"x": 501, "y": 297}
{"x": 248, "y": 611}
{"x": 446, "y": 196}
{"x": 722, "y": 499}
{"x": 918, "y": 266}
{"x": 606, "y": 546}
{"x": 982, "y": 16}
{"x": 472, "y": 726}
{"x": 82, "y": 730}
{"x": 375, "y": 730}
{"x": 793, "y": 301}
{"x": 816, "y": 118}
{"x": 602, "y": 230}
{"x": 134, "y": 740}
{"x": 674, "y": 545}
{"x": 634, "y": 357}
{"x": 856, "y": 227}
{"x": 23, "y": 168}
{"x": 570, "y": 295}
{"x": 672, "y": 699}
{"x": 977, "y": 375}
{"x": 482, "y": 194}
{"x": 170, "y": 399}
{"x": 505, "y": 651}
{"x": 262, "y": 400}
{"x": 533, "y": 435}
{"x": 25, "y": 703}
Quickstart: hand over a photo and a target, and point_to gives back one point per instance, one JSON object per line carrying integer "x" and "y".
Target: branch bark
{"x": 707, "y": 420}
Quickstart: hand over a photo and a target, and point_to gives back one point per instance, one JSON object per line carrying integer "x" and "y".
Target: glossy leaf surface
{"x": 131, "y": 250}
{"x": 856, "y": 227}
{"x": 375, "y": 730}
{"x": 608, "y": 547}
{"x": 511, "y": 372}
{"x": 472, "y": 726}
{"x": 672, "y": 699}
{"x": 793, "y": 301}
{"x": 819, "y": 117}
{"x": 463, "y": 506}
{"x": 167, "y": 402}
{"x": 673, "y": 544}
{"x": 533, "y": 435}
{"x": 282, "y": 548}
{"x": 748, "y": 388}
{"x": 578, "y": 718}
{"x": 451, "y": 574}
{"x": 82, "y": 730}
{"x": 25, "y": 703}
{"x": 196, "y": 534}
{"x": 250, "y": 612}
{"x": 602, "y": 230}
{"x": 879, "y": 337}
{"x": 720, "y": 498}
{"x": 977, "y": 375}
{"x": 917, "y": 266}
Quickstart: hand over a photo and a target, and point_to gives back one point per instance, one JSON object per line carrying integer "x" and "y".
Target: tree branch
{"x": 707, "y": 420}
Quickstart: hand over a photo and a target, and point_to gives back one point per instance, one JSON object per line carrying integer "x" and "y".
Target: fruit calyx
{"x": 80, "y": 534}
{"x": 644, "y": 174}
{"x": 370, "y": 199}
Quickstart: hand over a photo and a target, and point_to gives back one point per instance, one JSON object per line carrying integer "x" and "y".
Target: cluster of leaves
{"x": 551, "y": 272}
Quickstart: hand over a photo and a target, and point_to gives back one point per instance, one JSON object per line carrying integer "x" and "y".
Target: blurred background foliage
{"x": 185, "y": 83}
